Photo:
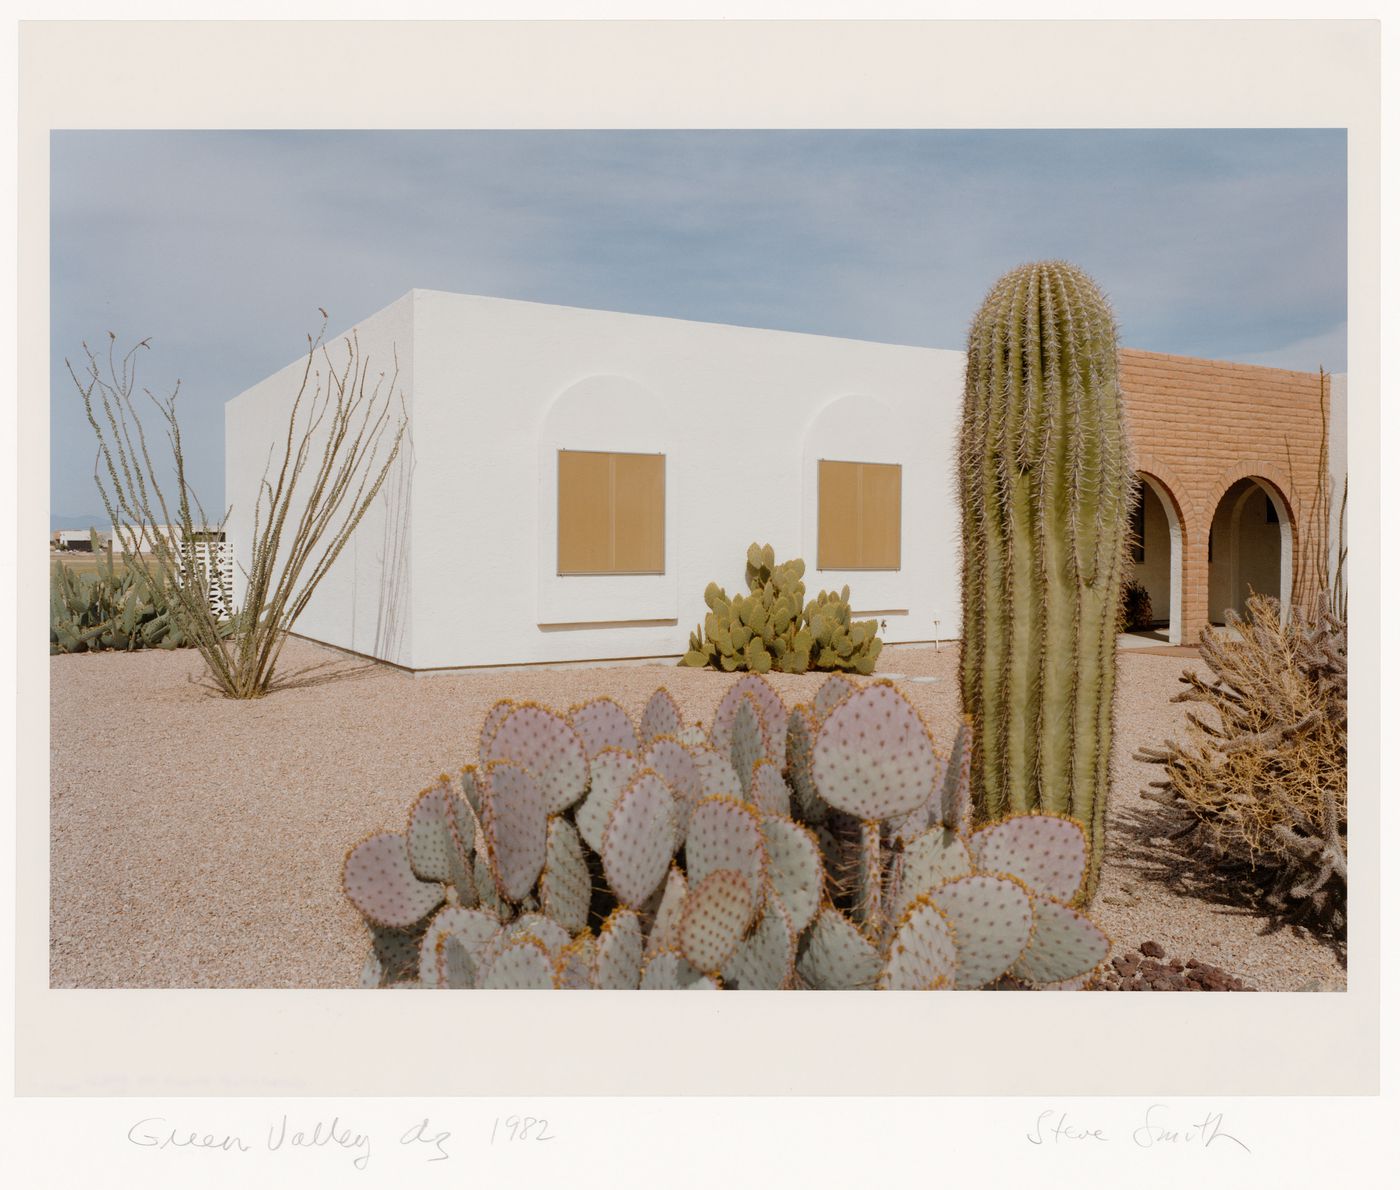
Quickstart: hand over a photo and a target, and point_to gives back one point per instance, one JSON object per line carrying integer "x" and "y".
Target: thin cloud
{"x": 221, "y": 245}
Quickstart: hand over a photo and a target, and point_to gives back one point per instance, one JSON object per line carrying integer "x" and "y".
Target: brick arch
{"x": 1276, "y": 476}
{"x": 1166, "y": 478}
{"x": 1275, "y": 481}
{"x": 1167, "y": 488}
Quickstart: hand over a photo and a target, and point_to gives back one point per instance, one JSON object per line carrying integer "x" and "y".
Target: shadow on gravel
{"x": 323, "y": 673}
{"x": 1179, "y": 866}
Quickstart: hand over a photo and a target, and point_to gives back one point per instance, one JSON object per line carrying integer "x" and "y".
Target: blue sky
{"x": 220, "y": 246}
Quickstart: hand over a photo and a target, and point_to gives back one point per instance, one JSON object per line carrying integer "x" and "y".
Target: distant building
{"x": 77, "y": 540}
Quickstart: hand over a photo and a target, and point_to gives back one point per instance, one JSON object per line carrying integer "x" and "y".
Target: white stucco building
{"x": 458, "y": 564}
{"x": 576, "y": 477}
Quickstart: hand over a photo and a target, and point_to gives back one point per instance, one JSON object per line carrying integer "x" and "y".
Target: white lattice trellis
{"x": 213, "y": 560}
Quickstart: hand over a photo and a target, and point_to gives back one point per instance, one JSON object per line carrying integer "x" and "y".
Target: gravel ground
{"x": 197, "y": 841}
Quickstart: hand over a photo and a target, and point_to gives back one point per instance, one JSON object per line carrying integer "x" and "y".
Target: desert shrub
{"x": 339, "y": 444}
{"x": 1260, "y": 785}
{"x": 1135, "y": 611}
{"x": 826, "y": 848}
{"x": 771, "y": 627}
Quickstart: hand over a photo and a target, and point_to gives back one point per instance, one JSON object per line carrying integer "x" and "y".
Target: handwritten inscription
{"x": 1155, "y": 1131}
{"x": 1060, "y": 1130}
{"x": 1054, "y": 1127}
{"x": 156, "y": 1132}
{"x": 334, "y": 1134}
{"x": 520, "y": 1128}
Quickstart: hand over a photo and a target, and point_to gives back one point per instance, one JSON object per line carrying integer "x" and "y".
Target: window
{"x": 612, "y": 513}
{"x": 858, "y": 522}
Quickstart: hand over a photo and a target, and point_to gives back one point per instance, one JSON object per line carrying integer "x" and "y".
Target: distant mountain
{"x": 99, "y": 521}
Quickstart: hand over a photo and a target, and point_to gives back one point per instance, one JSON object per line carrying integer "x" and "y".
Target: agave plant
{"x": 826, "y": 847}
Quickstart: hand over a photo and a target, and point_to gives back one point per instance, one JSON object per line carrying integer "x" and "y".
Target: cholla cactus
{"x": 822, "y": 848}
{"x": 771, "y": 627}
{"x": 1047, "y": 485}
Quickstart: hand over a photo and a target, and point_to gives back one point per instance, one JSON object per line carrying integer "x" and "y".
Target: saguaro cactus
{"x": 1047, "y": 482}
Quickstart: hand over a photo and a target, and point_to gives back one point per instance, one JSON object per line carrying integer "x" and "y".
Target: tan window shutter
{"x": 612, "y": 513}
{"x": 858, "y": 515}
{"x": 880, "y": 525}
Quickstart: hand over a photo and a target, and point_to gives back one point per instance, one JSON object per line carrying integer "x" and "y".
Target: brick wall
{"x": 1198, "y": 426}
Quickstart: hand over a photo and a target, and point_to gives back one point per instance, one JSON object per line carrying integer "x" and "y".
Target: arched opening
{"x": 1250, "y": 549}
{"x": 1156, "y": 561}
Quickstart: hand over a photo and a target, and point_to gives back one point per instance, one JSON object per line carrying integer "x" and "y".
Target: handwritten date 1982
{"x": 520, "y": 1128}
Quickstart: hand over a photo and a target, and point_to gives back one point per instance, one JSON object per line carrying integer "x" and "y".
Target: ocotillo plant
{"x": 1047, "y": 484}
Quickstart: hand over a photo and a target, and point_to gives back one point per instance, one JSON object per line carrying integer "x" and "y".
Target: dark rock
{"x": 1136, "y": 973}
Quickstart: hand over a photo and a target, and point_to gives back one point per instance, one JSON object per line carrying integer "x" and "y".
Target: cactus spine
{"x": 1046, "y": 486}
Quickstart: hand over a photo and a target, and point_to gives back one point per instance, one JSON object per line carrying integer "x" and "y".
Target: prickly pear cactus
{"x": 107, "y": 609}
{"x": 823, "y": 847}
{"x": 1047, "y": 485}
{"x": 771, "y": 628}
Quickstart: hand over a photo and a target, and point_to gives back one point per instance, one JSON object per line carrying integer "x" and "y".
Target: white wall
{"x": 1337, "y": 462}
{"x": 742, "y": 415}
{"x": 362, "y": 604}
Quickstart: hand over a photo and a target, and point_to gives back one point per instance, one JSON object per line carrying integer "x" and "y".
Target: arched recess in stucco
{"x": 1250, "y": 546}
{"x": 860, "y": 428}
{"x": 606, "y": 413}
{"x": 1162, "y": 546}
